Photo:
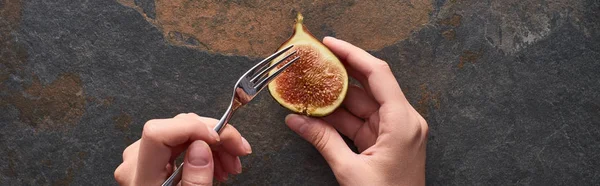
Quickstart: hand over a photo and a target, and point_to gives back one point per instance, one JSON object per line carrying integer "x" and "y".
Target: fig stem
{"x": 299, "y": 18}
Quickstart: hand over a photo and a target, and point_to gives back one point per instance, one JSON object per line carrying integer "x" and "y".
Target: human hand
{"x": 149, "y": 161}
{"x": 389, "y": 133}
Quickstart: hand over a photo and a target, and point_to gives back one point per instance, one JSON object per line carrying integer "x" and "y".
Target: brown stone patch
{"x": 452, "y": 21}
{"x": 266, "y": 158}
{"x": 76, "y": 165}
{"x": 47, "y": 163}
{"x": 108, "y": 101}
{"x": 122, "y": 122}
{"x": 373, "y": 25}
{"x": 3, "y": 77}
{"x": 257, "y": 28}
{"x": 449, "y": 34}
{"x": 38, "y": 105}
{"x": 469, "y": 56}
{"x": 60, "y": 103}
{"x": 129, "y": 3}
{"x": 42, "y": 106}
{"x": 12, "y": 55}
{"x": 10, "y": 15}
{"x": 427, "y": 100}
{"x": 104, "y": 102}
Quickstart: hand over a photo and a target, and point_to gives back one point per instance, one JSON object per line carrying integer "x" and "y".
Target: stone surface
{"x": 510, "y": 89}
{"x": 256, "y": 28}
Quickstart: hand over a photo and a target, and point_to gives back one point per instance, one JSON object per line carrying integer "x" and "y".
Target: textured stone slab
{"x": 510, "y": 88}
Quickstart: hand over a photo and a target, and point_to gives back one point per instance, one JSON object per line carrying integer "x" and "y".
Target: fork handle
{"x": 224, "y": 119}
{"x": 175, "y": 177}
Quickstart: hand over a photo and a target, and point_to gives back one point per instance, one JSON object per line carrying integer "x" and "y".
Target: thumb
{"x": 198, "y": 168}
{"x": 323, "y": 136}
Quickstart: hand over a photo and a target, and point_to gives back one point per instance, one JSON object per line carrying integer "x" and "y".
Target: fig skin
{"x": 326, "y": 79}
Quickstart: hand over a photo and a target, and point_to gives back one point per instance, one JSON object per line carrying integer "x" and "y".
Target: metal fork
{"x": 245, "y": 89}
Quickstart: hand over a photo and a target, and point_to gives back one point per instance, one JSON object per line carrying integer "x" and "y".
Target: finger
{"x": 344, "y": 122}
{"x": 323, "y": 137}
{"x": 362, "y": 133}
{"x": 368, "y": 134}
{"x": 231, "y": 139}
{"x": 220, "y": 173}
{"x": 123, "y": 173}
{"x": 359, "y": 103}
{"x": 159, "y": 138}
{"x": 131, "y": 150}
{"x": 231, "y": 164}
{"x": 198, "y": 167}
{"x": 380, "y": 79}
{"x": 359, "y": 77}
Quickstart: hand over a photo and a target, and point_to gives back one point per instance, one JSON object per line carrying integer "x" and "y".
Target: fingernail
{"x": 213, "y": 133}
{"x": 198, "y": 154}
{"x": 246, "y": 145}
{"x": 296, "y": 122}
{"x": 330, "y": 37}
{"x": 238, "y": 165}
{"x": 224, "y": 177}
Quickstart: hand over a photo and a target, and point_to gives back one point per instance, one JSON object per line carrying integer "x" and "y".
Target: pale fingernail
{"x": 246, "y": 145}
{"x": 238, "y": 165}
{"x": 331, "y": 37}
{"x": 296, "y": 122}
{"x": 224, "y": 177}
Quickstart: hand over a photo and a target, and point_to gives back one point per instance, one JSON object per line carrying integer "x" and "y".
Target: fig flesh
{"x": 317, "y": 83}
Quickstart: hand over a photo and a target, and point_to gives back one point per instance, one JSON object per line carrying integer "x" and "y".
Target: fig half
{"x": 317, "y": 83}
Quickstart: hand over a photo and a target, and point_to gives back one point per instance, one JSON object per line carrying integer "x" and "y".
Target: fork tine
{"x": 262, "y": 63}
{"x": 267, "y": 80}
{"x": 264, "y": 71}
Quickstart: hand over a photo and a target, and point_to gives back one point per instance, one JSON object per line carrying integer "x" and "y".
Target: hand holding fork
{"x": 245, "y": 89}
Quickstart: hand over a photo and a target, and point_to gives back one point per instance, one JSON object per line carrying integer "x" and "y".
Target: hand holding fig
{"x": 389, "y": 133}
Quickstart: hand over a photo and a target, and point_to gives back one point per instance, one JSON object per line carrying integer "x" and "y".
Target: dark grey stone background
{"x": 514, "y": 112}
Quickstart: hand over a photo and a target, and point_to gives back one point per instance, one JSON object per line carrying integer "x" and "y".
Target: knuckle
{"x": 199, "y": 181}
{"x": 150, "y": 131}
{"x": 130, "y": 150}
{"x": 126, "y": 153}
{"x": 193, "y": 115}
{"x": 421, "y": 129}
{"x": 118, "y": 174}
{"x": 181, "y": 115}
{"x": 382, "y": 65}
{"x": 378, "y": 66}
{"x": 417, "y": 132}
{"x": 320, "y": 139}
{"x": 424, "y": 126}
{"x": 422, "y": 123}
{"x": 187, "y": 116}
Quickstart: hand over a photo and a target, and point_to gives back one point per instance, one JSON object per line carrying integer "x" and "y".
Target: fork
{"x": 245, "y": 89}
